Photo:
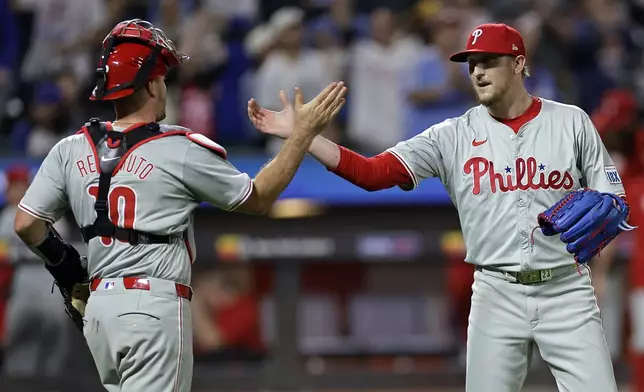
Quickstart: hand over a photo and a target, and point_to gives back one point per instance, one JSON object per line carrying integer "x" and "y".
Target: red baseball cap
{"x": 495, "y": 38}
{"x": 17, "y": 173}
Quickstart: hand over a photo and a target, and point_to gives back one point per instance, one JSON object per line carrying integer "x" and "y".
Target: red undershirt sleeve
{"x": 375, "y": 173}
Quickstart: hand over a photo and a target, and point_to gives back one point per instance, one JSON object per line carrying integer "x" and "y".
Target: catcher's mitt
{"x": 75, "y": 301}
{"x": 587, "y": 221}
{"x": 75, "y": 291}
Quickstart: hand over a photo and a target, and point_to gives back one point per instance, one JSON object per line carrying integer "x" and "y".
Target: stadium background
{"x": 338, "y": 288}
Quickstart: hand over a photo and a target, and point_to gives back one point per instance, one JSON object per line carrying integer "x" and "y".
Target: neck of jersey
{"x": 516, "y": 123}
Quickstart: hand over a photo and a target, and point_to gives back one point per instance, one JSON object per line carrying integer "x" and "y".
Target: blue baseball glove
{"x": 587, "y": 221}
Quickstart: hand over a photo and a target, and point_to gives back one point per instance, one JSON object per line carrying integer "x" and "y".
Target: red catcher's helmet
{"x": 134, "y": 53}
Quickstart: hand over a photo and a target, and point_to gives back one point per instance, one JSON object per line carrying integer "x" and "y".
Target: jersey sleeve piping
{"x": 243, "y": 196}
{"x": 412, "y": 175}
{"x": 36, "y": 214}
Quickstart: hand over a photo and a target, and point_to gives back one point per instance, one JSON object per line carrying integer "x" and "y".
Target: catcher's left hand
{"x": 75, "y": 293}
{"x": 75, "y": 301}
{"x": 587, "y": 220}
{"x": 80, "y": 296}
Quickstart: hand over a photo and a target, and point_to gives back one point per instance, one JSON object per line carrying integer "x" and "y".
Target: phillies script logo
{"x": 526, "y": 174}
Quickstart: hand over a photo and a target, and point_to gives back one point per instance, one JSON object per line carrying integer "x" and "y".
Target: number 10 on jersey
{"x": 121, "y": 204}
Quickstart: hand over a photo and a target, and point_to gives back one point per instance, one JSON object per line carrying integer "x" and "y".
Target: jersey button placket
{"x": 515, "y": 148}
{"x": 524, "y": 240}
{"x": 522, "y": 199}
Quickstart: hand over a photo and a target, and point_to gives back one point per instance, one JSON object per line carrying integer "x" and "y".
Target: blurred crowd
{"x": 392, "y": 54}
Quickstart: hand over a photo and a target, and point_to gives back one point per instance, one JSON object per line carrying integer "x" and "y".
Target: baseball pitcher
{"x": 537, "y": 195}
{"x": 133, "y": 186}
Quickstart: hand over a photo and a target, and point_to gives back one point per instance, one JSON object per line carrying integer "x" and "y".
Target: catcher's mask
{"x": 134, "y": 53}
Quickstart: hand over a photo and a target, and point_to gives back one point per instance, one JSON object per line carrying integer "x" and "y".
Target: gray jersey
{"x": 500, "y": 180}
{"x": 157, "y": 190}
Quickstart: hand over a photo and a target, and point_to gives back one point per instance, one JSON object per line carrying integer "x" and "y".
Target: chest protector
{"x": 111, "y": 148}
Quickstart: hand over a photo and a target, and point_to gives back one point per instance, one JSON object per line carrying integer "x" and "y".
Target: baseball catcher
{"x": 587, "y": 221}
{"x": 133, "y": 186}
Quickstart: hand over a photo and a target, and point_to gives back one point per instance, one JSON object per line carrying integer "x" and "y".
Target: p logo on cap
{"x": 476, "y": 34}
{"x": 494, "y": 38}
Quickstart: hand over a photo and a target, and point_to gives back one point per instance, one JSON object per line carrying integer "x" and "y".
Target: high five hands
{"x": 312, "y": 117}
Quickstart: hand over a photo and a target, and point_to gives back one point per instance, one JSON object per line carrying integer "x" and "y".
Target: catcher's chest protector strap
{"x": 110, "y": 149}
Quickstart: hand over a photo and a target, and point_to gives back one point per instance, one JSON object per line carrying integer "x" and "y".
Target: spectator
{"x": 6, "y": 276}
{"x": 259, "y": 43}
{"x": 37, "y": 330}
{"x": 244, "y": 9}
{"x": 226, "y": 316}
{"x": 548, "y": 35}
{"x": 472, "y": 13}
{"x": 594, "y": 32}
{"x": 63, "y": 34}
{"x": 542, "y": 81}
{"x": 636, "y": 24}
{"x": 377, "y": 67}
{"x": 326, "y": 37}
{"x": 75, "y": 107}
{"x": 38, "y": 134}
{"x": 270, "y": 7}
{"x": 290, "y": 64}
{"x": 616, "y": 120}
{"x": 170, "y": 16}
{"x": 437, "y": 88}
{"x": 9, "y": 52}
{"x": 199, "y": 38}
